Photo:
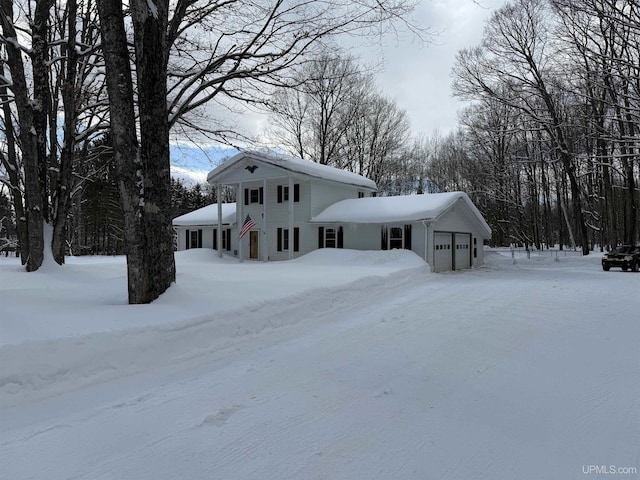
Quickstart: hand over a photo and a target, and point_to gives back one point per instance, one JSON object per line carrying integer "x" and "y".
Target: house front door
{"x": 253, "y": 244}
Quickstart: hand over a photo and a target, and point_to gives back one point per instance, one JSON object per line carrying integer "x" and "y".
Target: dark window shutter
{"x": 296, "y": 239}
{"x": 188, "y": 239}
{"x": 246, "y": 196}
{"x": 296, "y": 192}
{"x": 215, "y": 239}
{"x": 340, "y": 238}
{"x": 279, "y": 193}
{"x": 320, "y": 237}
{"x": 383, "y": 238}
{"x": 407, "y": 236}
{"x": 228, "y": 232}
{"x": 200, "y": 238}
{"x": 261, "y": 195}
{"x": 279, "y": 236}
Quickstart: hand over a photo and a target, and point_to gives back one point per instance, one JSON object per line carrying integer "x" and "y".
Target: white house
{"x": 298, "y": 206}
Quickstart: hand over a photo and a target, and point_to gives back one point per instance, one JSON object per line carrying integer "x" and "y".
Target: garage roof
{"x": 207, "y": 216}
{"x": 403, "y": 208}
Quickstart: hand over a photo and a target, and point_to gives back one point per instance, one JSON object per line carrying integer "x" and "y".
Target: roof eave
{"x": 219, "y": 170}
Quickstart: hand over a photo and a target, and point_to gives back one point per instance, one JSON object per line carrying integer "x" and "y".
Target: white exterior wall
{"x": 418, "y": 240}
{"x": 315, "y": 196}
{"x": 368, "y": 236}
{"x": 180, "y": 238}
{"x": 278, "y": 217}
{"x": 361, "y": 236}
{"x": 324, "y": 194}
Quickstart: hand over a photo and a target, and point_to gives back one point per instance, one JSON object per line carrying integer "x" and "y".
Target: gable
{"x": 250, "y": 166}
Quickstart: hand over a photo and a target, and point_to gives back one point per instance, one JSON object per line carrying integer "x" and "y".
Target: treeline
{"x": 95, "y": 225}
{"x": 549, "y": 149}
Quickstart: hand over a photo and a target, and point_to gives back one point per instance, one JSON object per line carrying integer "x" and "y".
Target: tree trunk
{"x": 149, "y": 243}
{"x": 33, "y": 199}
{"x": 61, "y": 202}
{"x": 41, "y": 95}
{"x": 152, "y": 52}
{"x": 12, "y": 168}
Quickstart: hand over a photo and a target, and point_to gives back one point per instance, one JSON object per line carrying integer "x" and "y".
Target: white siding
{"x": 361, "y": 236}
{"x": 324, "y": 194}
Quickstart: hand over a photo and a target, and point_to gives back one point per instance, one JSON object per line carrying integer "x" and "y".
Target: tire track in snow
{"x": 36, "y": 370}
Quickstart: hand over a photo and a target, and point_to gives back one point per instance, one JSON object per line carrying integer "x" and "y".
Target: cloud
{"x": 188, "y": 176}
{"x": 418, "y": 76}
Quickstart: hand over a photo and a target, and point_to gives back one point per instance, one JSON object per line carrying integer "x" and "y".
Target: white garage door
{"x": 442, "y": 252}
{"x": 462, "y": 248}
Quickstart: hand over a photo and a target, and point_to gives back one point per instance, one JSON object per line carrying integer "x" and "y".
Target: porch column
{"x": 219, "y": 232}
{"x": 240, "y": 217}
{"x": 290, "y": 217}
{"x": 265, "y": 237}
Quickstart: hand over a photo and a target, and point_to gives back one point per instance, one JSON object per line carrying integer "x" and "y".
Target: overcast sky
{"x": 418, "y": 76}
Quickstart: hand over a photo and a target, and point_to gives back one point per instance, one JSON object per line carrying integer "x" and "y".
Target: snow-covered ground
{"x": 338, "y": 365}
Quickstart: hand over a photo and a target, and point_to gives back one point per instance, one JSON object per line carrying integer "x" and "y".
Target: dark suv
{"x": 625, "y": 256}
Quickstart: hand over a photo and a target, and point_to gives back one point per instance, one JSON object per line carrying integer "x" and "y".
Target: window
{"x": 360, "y": 194}
{"x": 396, "y": 237}
{"x": 253, "y": 195}
{"x": 330, "y": 238}
{"x": 283, "y": 239}
{"x": 226, "y": 239}
{"x": 283, "y": 193}
{"x": 193, "y": 239}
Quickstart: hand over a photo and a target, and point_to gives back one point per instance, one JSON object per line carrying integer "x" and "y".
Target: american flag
{"x": 248, "y": 225}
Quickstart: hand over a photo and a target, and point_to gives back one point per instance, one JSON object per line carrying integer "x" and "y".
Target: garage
{"x": 446, "y": 229}
{"x": 451, "y": 251}
{"x": 462, "y": 251}
{"x": 442, "y": 251}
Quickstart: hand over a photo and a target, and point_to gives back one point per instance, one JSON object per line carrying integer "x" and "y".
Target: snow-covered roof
{"x": 207, "y": 216}
{"x": 404, "y": 208}
{"x": 296, "y": 165}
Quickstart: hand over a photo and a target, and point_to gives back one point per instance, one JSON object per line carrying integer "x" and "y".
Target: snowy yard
{"x": 338, "y": 365}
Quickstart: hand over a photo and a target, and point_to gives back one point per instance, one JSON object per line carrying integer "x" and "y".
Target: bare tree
{"x": 314, "y": 118}
{"x": 337, "y": 117}
{"x": 32, "y": 222}
{"x": 50, "y": 51}
{"x": 515, "y": 65}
